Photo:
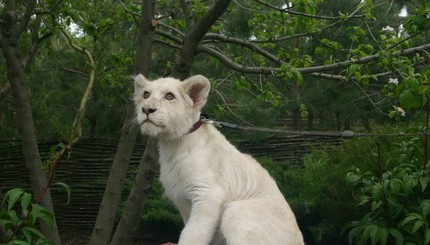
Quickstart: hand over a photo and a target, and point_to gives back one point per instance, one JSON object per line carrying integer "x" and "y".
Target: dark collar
{"x": 196, "y": 125}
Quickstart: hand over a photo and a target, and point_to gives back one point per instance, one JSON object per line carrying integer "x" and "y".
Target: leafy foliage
{"x": 160, "y": 221}
{"x": 19, "y": 219}
{"x": 397, "y": 201}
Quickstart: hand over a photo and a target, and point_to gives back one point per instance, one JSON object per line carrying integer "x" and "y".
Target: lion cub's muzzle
{"x": 148, "y": 111}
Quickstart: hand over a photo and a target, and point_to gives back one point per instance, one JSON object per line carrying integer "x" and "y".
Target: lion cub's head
{"x": 167, "y": 107}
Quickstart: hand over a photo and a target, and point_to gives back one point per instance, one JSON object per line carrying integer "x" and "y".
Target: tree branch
{"x": 344, "y": 78}
{"x": 172, "y": 29}
{"x": 36, "y": 40}
{"x": 244, "y": 43}
{"x": 164, "y": 42}
{"x": 22, "y": 25}
{"x": 292, "y": 12}
{"x": 169, "y": 36}
{"x": 234, "y": 66}
{"x": 186, "y": 11}
{"x": 194, "y": 36}
{"x": 80, "y": 115}
{"x": 307, "y": 70}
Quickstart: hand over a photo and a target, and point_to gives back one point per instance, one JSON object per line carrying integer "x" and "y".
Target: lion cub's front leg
{"x": 204, "y": 218}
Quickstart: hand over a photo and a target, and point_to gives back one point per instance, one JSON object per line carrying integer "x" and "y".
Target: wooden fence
{"x": 86, "y": 170}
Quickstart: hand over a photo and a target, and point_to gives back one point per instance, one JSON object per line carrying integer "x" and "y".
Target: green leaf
{"x": 357, "y": 75}
{"x": 376, "y": 192}
{"x": 66, "y": 188}
{"x": 13, "y": 195}
{"x": 363, "y": 200}
{"x": 27, "y": 235}
{"x": 47, "y": 217}
{"x": 425, "y": 208}
{"x": 424, "y": 183}
{"x": 17, "y": 242}
{"x": 411, "y": 217}
{"x": 299, "y": 77}
{"x": 370, "y": 232}
{"x": 13, "y": 217}
{"x": 32, "y": 217}
{"x": 427, "y": 236}
{"x": 417, "y": 225}
{"x": 25, "y": 201}
{"x": 383, "y": 235}
{"x": 395, "y": 186}
{"x": 6, "y": 223}
{"x": 34, "y": 231}
{"x": 397, "y": 235}
{"x": 408, "y": 100}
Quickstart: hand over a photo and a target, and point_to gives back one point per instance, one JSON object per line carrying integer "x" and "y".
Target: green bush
{"x": 397, "y": 201}
{"x": 318, "y": 191}
{"x": 161, "y": 222}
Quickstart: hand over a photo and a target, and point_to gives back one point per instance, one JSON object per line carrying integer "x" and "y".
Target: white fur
{"x": 223, "y": 195}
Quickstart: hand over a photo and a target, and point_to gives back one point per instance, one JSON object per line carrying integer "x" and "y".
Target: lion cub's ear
{"x": 198, "y": 88}
{"x": 139, "y": 82}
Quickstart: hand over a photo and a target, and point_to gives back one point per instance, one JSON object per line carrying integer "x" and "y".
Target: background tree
{"x": 16, "y": 20}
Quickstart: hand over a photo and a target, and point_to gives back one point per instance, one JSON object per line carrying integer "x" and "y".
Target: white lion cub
{"x": 223, "y": 195}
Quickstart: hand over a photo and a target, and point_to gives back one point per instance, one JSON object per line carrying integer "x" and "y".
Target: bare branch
{"x": 74, "y": 71}
{"x": 244, "y": 43}
{"x": 292, "y": 12}
{"x": 172, "y": 29}
{"x": 80, "y": 115}
{"x": 338, "y": 20}
{"x": 36, "y": 40}
{"x": 167, "y": 43}
{"x": 169, "y": 36}
{"x": 230, "y": 110}
{"x": 369, "y": 98}
{"x": 344, "y": 78}
{"x": 234, "y": 66}
{"x": 371, "y": 34}
{"x": 275, "y": 40}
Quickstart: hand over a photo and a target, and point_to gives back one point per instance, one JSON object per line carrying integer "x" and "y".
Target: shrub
{"x": 161, "y": 222}
{"x": 397, "y": 201}
{"x": 318, "y": 191}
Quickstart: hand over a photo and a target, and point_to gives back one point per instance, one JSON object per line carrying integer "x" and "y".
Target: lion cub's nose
{"x": 148, "y": 111}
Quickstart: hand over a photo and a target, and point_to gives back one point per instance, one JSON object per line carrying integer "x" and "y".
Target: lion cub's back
{"x": 243, "y": 175}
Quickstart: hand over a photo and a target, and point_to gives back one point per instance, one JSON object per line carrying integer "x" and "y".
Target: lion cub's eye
{"x": 169, "y": 96}
{"x": 146, "y": 95}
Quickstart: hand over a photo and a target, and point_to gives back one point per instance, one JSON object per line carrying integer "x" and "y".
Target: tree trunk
{"x": 146, "y": 174}
{"x": 106, "y": 217}
{"x": 112, "y": 196}
{"x": 11, "y": 33}
{"x": 194, "y": 36}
